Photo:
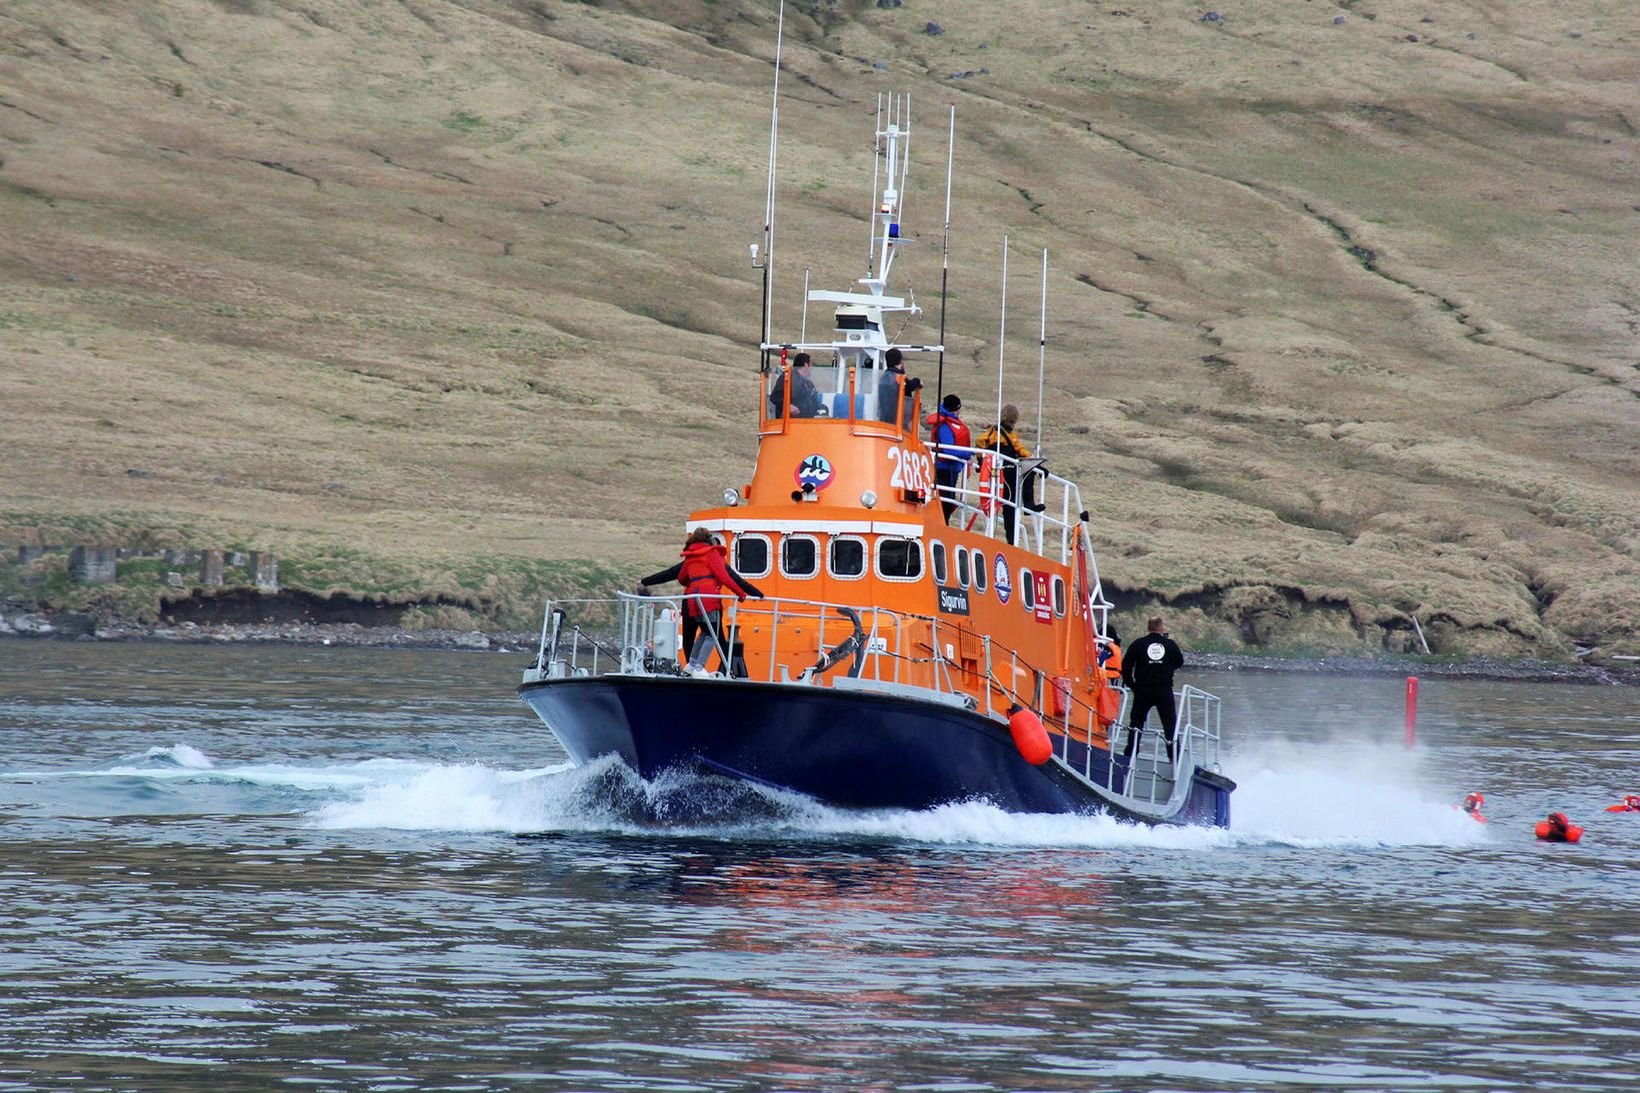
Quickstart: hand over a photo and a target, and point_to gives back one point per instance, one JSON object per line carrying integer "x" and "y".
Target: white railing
{"x": 1049, "y": 527}
{"x": 880, "y": 652}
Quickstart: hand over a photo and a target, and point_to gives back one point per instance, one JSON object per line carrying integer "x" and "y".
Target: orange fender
{"x": 1029, "y": 736}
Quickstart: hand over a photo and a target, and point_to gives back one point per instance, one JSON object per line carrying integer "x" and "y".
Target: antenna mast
{"x": 894, "y": 140}
{"x": 768, "y": 208}
{"x": 945, "y": 253}
{"x": 1002, "y": 335}
{"x": 1041, "y": 352}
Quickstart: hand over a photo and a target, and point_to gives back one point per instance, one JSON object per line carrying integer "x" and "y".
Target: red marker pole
{"x": 1412, "y": 710}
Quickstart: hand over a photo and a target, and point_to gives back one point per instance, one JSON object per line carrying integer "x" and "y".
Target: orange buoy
{"x": 1558, "y": 829}
{"x": 1029, "y": 736}
{"x": 1472, "y": 805}
{"x": 1630, "y": 803}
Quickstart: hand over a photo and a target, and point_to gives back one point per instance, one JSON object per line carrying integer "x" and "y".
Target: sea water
{"x": 259, "y": 867}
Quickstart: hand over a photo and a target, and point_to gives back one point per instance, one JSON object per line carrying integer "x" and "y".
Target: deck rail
{"x": 878, "y": 654}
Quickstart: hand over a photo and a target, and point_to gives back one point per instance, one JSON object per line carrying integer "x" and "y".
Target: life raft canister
{"x": 1029, "y": 736}
{"x": 1061, "y": 695}
{"x": 1472, "y": 805}
{"x": 1109, "y": 706}
{"x": 1630, "y": 803}
{"x": 1558, "y": 829}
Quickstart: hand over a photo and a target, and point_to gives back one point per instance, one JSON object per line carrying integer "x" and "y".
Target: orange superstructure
{"x": 842, "y": 510}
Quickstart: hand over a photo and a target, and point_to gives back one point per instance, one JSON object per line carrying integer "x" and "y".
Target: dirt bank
{"x": 71, "y": 627}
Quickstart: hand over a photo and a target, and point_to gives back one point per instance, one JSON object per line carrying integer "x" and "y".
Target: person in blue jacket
{"x": 952, "y": 447}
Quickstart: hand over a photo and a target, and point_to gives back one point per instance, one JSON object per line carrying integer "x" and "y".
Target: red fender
{"x": 1029, "y": 736}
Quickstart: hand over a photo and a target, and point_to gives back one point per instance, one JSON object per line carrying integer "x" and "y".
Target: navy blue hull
{"x": 844, "y": 748}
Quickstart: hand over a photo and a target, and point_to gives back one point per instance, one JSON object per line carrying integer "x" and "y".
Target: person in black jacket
{"x": 806, "y": 400}
{"x": 1147, "y": 669}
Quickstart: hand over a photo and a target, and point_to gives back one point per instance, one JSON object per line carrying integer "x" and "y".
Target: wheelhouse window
{"x": 799, "y": 556}
{"x": 1059, "y": 595}
{"x": 936, "y": 560}
{"x": 813, "y": 395}
{"x": 752, "y": 555}
{"x": 846, "y": 557}
{"x": 963, "y": 571}
{"x": 982, "y": 572}
{"x": 1027, "y": 590}
{"x": 899, "y": 559}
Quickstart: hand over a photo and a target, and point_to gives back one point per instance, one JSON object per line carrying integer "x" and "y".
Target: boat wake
{"x": 1305, "y": 797}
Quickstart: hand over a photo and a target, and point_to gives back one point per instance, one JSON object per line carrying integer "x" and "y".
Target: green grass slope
{"x": 1343, "y": 303}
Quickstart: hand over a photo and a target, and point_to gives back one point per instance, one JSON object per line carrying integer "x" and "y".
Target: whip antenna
{"x": 1002, "y": 336}
{"x": 768, "y": 207}
{"x": 1041, "y": 351}
{"x": 945, "y": 252}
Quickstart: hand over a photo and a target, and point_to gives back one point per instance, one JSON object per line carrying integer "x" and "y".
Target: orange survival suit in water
{"x": 1558, "y": 829}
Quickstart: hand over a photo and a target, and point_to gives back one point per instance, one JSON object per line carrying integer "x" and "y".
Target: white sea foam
{"x": 183, "y": 755}
{"x": 1331, "y": 794}
{"x": 1343, "y": 794}
{"x": 448, "y": 798}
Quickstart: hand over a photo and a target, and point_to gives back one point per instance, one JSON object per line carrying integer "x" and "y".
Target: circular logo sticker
{"x": 1000, "y": 579}
{"x": 815, "y": 471}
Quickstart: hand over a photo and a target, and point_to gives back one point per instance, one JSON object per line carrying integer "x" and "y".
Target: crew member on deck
{"x": 888, "y": 388}
{"x": 1147, "y": 669}
{"x": 805, "y": 396}
{"x": 1002, "y": 439}
{"x": 705, "y": 575}
{"x": 1110, "y": 655}
{"x": 951, "y": 442}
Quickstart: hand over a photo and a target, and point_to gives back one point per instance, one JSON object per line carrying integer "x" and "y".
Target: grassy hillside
{"x": 1343, "y": 302}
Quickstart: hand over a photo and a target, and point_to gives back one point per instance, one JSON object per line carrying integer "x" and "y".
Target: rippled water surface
{"x": 248, "y": 868}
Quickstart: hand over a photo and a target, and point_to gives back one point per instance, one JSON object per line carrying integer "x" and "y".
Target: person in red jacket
{"x": 705, "y": 576}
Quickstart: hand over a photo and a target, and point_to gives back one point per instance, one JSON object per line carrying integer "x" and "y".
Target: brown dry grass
{"x": 1333, "y": 311}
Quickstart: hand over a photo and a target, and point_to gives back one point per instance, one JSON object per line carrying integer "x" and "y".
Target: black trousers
{"x": 1010, "y": 500}
{"x": 946, "y": 480}
{"x": 1143, "y": 703}
{"x": 707, "y": 627}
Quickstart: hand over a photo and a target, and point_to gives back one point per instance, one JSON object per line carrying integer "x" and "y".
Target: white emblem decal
{"x": 815, "y": 471}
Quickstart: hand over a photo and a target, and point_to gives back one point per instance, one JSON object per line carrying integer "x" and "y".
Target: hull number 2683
{"x": 912, "y": 470}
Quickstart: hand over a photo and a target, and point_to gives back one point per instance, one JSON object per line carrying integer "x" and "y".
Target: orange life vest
{"x": 704, "y": 576}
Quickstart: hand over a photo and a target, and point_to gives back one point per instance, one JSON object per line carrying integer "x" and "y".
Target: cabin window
{"x": 799, "y": 556}
{"x": 982, "y": 571}
{"x": 1027, "y": 590}
{"x": 752, "y": 555}
{"x": 963, "y": 572}
{"x": 899, "y": 559}
{"x": 847, "y": 557}
{"x": 936, "y": 560}
{"x": 1059, "y": 595}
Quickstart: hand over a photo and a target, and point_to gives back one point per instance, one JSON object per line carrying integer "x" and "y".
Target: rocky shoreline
{"x": 76, "y": 627}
